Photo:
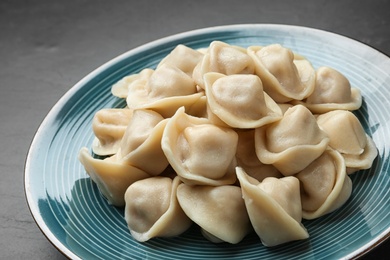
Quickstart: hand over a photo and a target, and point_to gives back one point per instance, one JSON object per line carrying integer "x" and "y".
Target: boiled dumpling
{"x": 332, "y": 92}
{"x": 247, "y": 158}
{"x": 325, "y": 185}
{"x": 152, "y": 209}
{"x": 200, "y": 152}
{"x": 141, "y": 143}
{"x": 203, "y": 50}
{"x": 284, "y": 107}
{"x": 111, "y": 177}
{"x": 109, "y": 126}
{"x": 121, "y": 88}
{"x": 345, "y": 131}
{"x": 349, "y": 138}
{"x": 292, "y": 143}
{"x": 274, "y": 208}
{"x": 223, "y": 58}
{"x": 229, "y": 59}
{"x": 239, "y": 100}
{"x": 234, "y": 139}
{"x": 183, "y": 58}
{"x": 199, "y": 108}
{"x": 285, "y": 77}
{"x": 219, "y": 211}
{"x": 362, "y": 161}
{"x": 167, "y": 89}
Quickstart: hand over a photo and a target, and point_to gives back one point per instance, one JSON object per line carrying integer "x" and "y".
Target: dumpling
{"x": 344, "y": 130}
{"x": 200, "y": 152}
{"x": 362, "y": 161}
{"x": 152, "y": 209}
{"x": 247, "y": 158}
{"x": 274, "y": 208}
{"x": 325, "y": 185}
{"x": 121, "y": 88}
{"x": 292, "y": 143}
{"x": 284, "y": 107}
{"x": 111, "y": 177}
{"x": 332, "y": 92}
{"x": 219, "y": 211}
{"x": 239, "y": 100}
{"x": 167, "y": 89}
{"x": 183, "y": 58}
{"x": 109, "y": 126}
{"x": 349, "y": 138}
{"x": 203, "y": 50}
{"x": 285, "y": 76}
{"x": 141, "y": 143}
{"x": 223, "y": 58}
{"x": 199, "y": 108}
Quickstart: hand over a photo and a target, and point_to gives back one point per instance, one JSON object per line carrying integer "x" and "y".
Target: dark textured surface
{"x": 47, "y": 46}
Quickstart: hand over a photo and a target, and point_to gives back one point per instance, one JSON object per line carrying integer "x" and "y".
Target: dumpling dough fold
{"x": 285, "y": 76}
{"x": 111, "y": 177}
{"x": 274, "y": 208}
{"x": 223, "y": 58}
{"x": 347, "y": 136}
{"x": 141, "y": 143}
{"x": 121, "y": 88}
{"x": 219, "y": 211}
{"x": 183, "y": 58}
{"x": 247, "y": 158}
{"x": 239, "y": 100}
{"x": 152, "y": 209}
{"x": 292, "y": 143}
{"x": 332, "y": 91}
{"x": 109, "y": 126}
{"x": 325, "y": 185}
{"x": 164, "y": 91}
{"x": 200, "y": 152}
{"x": 362, "y": 161}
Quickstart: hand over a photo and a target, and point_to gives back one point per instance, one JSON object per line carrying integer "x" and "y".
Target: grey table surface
{"x": 47, "y": 46}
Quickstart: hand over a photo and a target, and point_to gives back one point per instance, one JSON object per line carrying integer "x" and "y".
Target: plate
{"x": 73, "y": 215}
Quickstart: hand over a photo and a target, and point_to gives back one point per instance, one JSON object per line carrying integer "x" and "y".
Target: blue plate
{"x": 70, "y": 211}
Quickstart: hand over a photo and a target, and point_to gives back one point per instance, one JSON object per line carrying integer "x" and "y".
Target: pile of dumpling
{"x": 236, "y": 140}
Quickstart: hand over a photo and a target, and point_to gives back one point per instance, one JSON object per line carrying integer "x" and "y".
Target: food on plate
{"x": 218, "y": 210}
{"x": 111, "y": 177}
{"x": 233, "y": 140}
{"x": 183, "y": 58}
{"x": 347, "y": 136}
{"x": 248, "y": 160}
{"x": 294, "y": 80}
{"x": 109, "y": 126}
{"x": 291, "y": 143}
{"x": 164, "y": 90}
{"x": 325, "y": 185}
{"x": 223, "y": 58}
{"x": 201, "y": 153}
{"x": 239, "y": 101}
{"x": 141, "y": 143}
{"x": 152, "y": 209}
{"x": 274, "y": 208}
{"x": 332, "y": 91}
